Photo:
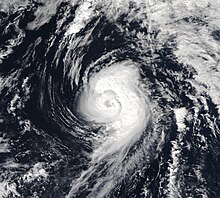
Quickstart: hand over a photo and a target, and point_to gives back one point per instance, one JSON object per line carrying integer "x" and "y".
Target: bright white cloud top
{"x": 114, "y": 99}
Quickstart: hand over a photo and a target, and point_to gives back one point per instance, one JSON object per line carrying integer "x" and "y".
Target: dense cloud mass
{"x": 109, "y": 98}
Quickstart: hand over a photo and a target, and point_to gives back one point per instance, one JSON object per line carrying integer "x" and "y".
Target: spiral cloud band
{"x": 114, "y": 100}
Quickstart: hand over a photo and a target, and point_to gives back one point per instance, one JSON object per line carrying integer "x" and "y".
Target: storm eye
{"x": 110, "y": 96}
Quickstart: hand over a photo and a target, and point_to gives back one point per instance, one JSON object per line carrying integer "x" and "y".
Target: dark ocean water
{"x": 50, "y": 51}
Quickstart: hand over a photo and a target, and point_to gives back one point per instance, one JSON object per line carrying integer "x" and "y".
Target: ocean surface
{"x": 109, "y": 99}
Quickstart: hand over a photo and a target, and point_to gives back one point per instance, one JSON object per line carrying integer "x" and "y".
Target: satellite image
{"x": 109, "y": 99}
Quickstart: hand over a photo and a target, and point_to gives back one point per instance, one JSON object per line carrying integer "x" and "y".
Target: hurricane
{"x": 109, "y": 99}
